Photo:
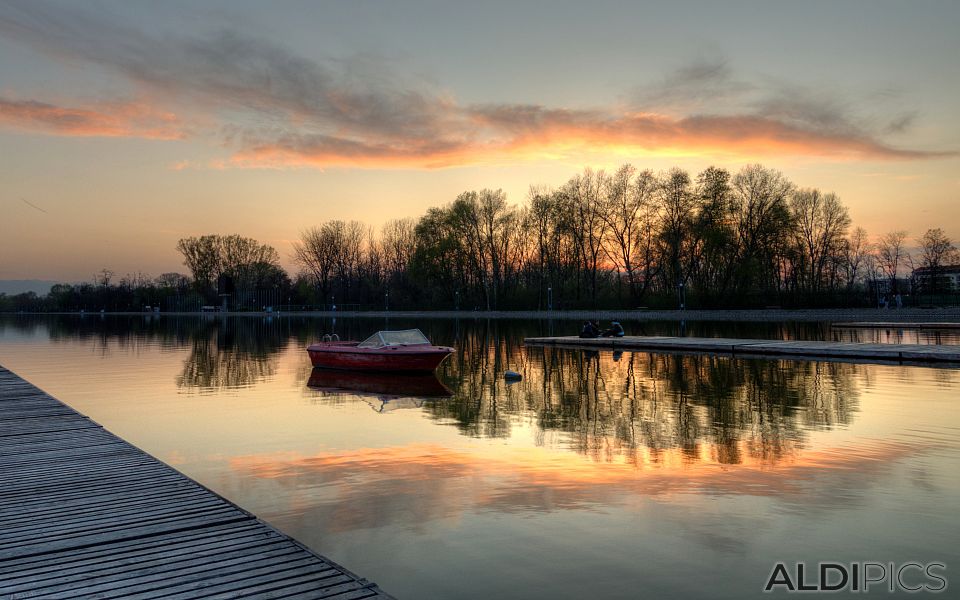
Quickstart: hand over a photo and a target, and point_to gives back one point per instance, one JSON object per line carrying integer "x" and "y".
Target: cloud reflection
{"x": 411, "y": 485}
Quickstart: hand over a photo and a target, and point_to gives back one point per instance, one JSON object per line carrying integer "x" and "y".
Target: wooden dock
{"x": 893, "y": 325}
{"x": 84, "y": 514}
{"x": 905, "y": 353}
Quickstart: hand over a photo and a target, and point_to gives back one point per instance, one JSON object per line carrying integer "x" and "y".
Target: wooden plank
{"x": 95, "y": 433}
{"x": 115, "y": 505}
{"x": 62, "y": 458}
{"x": 64, "y": 472}
{"x": 64, "y": 426}
{"x": 66, "y": 462}
{"x": 127, "y": 562}
{"x": 106, "y": 521}
{"x": 271, "y": 589}
{"x": 42, "y": 506}
{"x": 151, "y": 583}
{"x": 85, "y": 514}
{"x": 131, "y": 549}
{"x": 122, "y": 533}
{"x": 158, "y": 574}
{"x": 40, "y": 509}
{"x": 36, "y": 488}
{"x": 295, "y": 581}
{"x": 67, "y": 496}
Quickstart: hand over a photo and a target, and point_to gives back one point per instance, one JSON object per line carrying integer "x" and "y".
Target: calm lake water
{"x": 600, "y": 475}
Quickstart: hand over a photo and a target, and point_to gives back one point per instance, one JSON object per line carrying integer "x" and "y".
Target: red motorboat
{"x": 408, "y": 351}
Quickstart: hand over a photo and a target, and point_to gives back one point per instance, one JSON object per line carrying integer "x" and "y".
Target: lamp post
{"x": 386, "y": 300}
{"x": 682, "y": 298}
{"x": 549, "y": 298}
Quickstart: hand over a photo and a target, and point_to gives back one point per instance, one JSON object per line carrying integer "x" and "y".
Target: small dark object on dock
{"x": 512, "y": 376}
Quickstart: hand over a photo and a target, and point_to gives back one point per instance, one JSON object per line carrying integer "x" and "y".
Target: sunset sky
{"x": 125, "y": 126}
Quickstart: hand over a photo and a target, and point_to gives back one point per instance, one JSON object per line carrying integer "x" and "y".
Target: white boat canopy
{"x": 406, "y": 337}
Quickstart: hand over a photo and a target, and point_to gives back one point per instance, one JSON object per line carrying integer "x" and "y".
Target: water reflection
{"x": 369, "y": 488}
{"x": 231, "y": 353}
{"x": 896, "y": 335}
{"x": 670, "y": 473}
{"x": 634, "y": 404}
{"x": 390, "y": 385}
{"x": 602, "y": 405}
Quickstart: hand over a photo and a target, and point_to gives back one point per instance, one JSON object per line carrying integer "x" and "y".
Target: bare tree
{"x": 173, "y": 281}
{"x": 936, "y": 252}
{"x": 583, "y": 197}
{"x": 820, "y": 228}
{"x": 541, "y": 220}
{"x": 762, "y": 222}
{"x": 713, "y": 253}
{"x": 245, "y": 259}
{"x": 856, "y": 252}
{"x": 202, "y": 256}
{"x": 103, "y": 277}
{"x": 397, "y": 242}
{"x": 891, "y": 254}
{"x": 315, "y": 253}
{"x": 676, "y": 203}
{"x": 627, "y": 211}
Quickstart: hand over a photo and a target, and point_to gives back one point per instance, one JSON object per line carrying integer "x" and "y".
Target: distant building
{"x": 941, "y": 279}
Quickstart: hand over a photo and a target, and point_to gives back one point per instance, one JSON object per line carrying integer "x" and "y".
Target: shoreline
{"x": 876, "y": 315}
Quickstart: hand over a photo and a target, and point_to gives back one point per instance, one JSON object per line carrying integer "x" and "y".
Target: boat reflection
{"x": 383, "y": 385}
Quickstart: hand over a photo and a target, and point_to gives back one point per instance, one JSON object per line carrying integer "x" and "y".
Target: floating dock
{"x": 907, "y": 353}
{"x": 894, "y": 325}
{"x": 84, "y": 514}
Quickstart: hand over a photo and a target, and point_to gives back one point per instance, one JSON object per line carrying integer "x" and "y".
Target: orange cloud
{"x": 493, "y": 134}
{"x": 437, "y": 482}
{"x": 116, "y": 119}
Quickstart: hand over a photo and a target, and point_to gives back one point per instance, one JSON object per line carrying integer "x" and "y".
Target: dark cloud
{"x": 803, "y": 108}
{"x": 901, "y": 123}
{"x": 702, "y": 84}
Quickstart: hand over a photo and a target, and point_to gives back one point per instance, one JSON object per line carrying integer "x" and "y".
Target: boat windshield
{"x": 407, "y": 337}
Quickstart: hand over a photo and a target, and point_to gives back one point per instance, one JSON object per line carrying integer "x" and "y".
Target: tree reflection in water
{"x": 232, "y": 353}
{"x": 637, "y": 406}
{"x": 625, "y": 406}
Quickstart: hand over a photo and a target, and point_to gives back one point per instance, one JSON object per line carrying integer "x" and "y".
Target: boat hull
{"x": 406, "y": 359}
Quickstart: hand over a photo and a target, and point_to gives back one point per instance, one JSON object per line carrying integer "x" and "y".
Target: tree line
{"x": 626, "y": 239}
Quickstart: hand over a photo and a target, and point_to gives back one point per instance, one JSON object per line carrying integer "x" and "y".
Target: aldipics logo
{"x": 910, "y": 577}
